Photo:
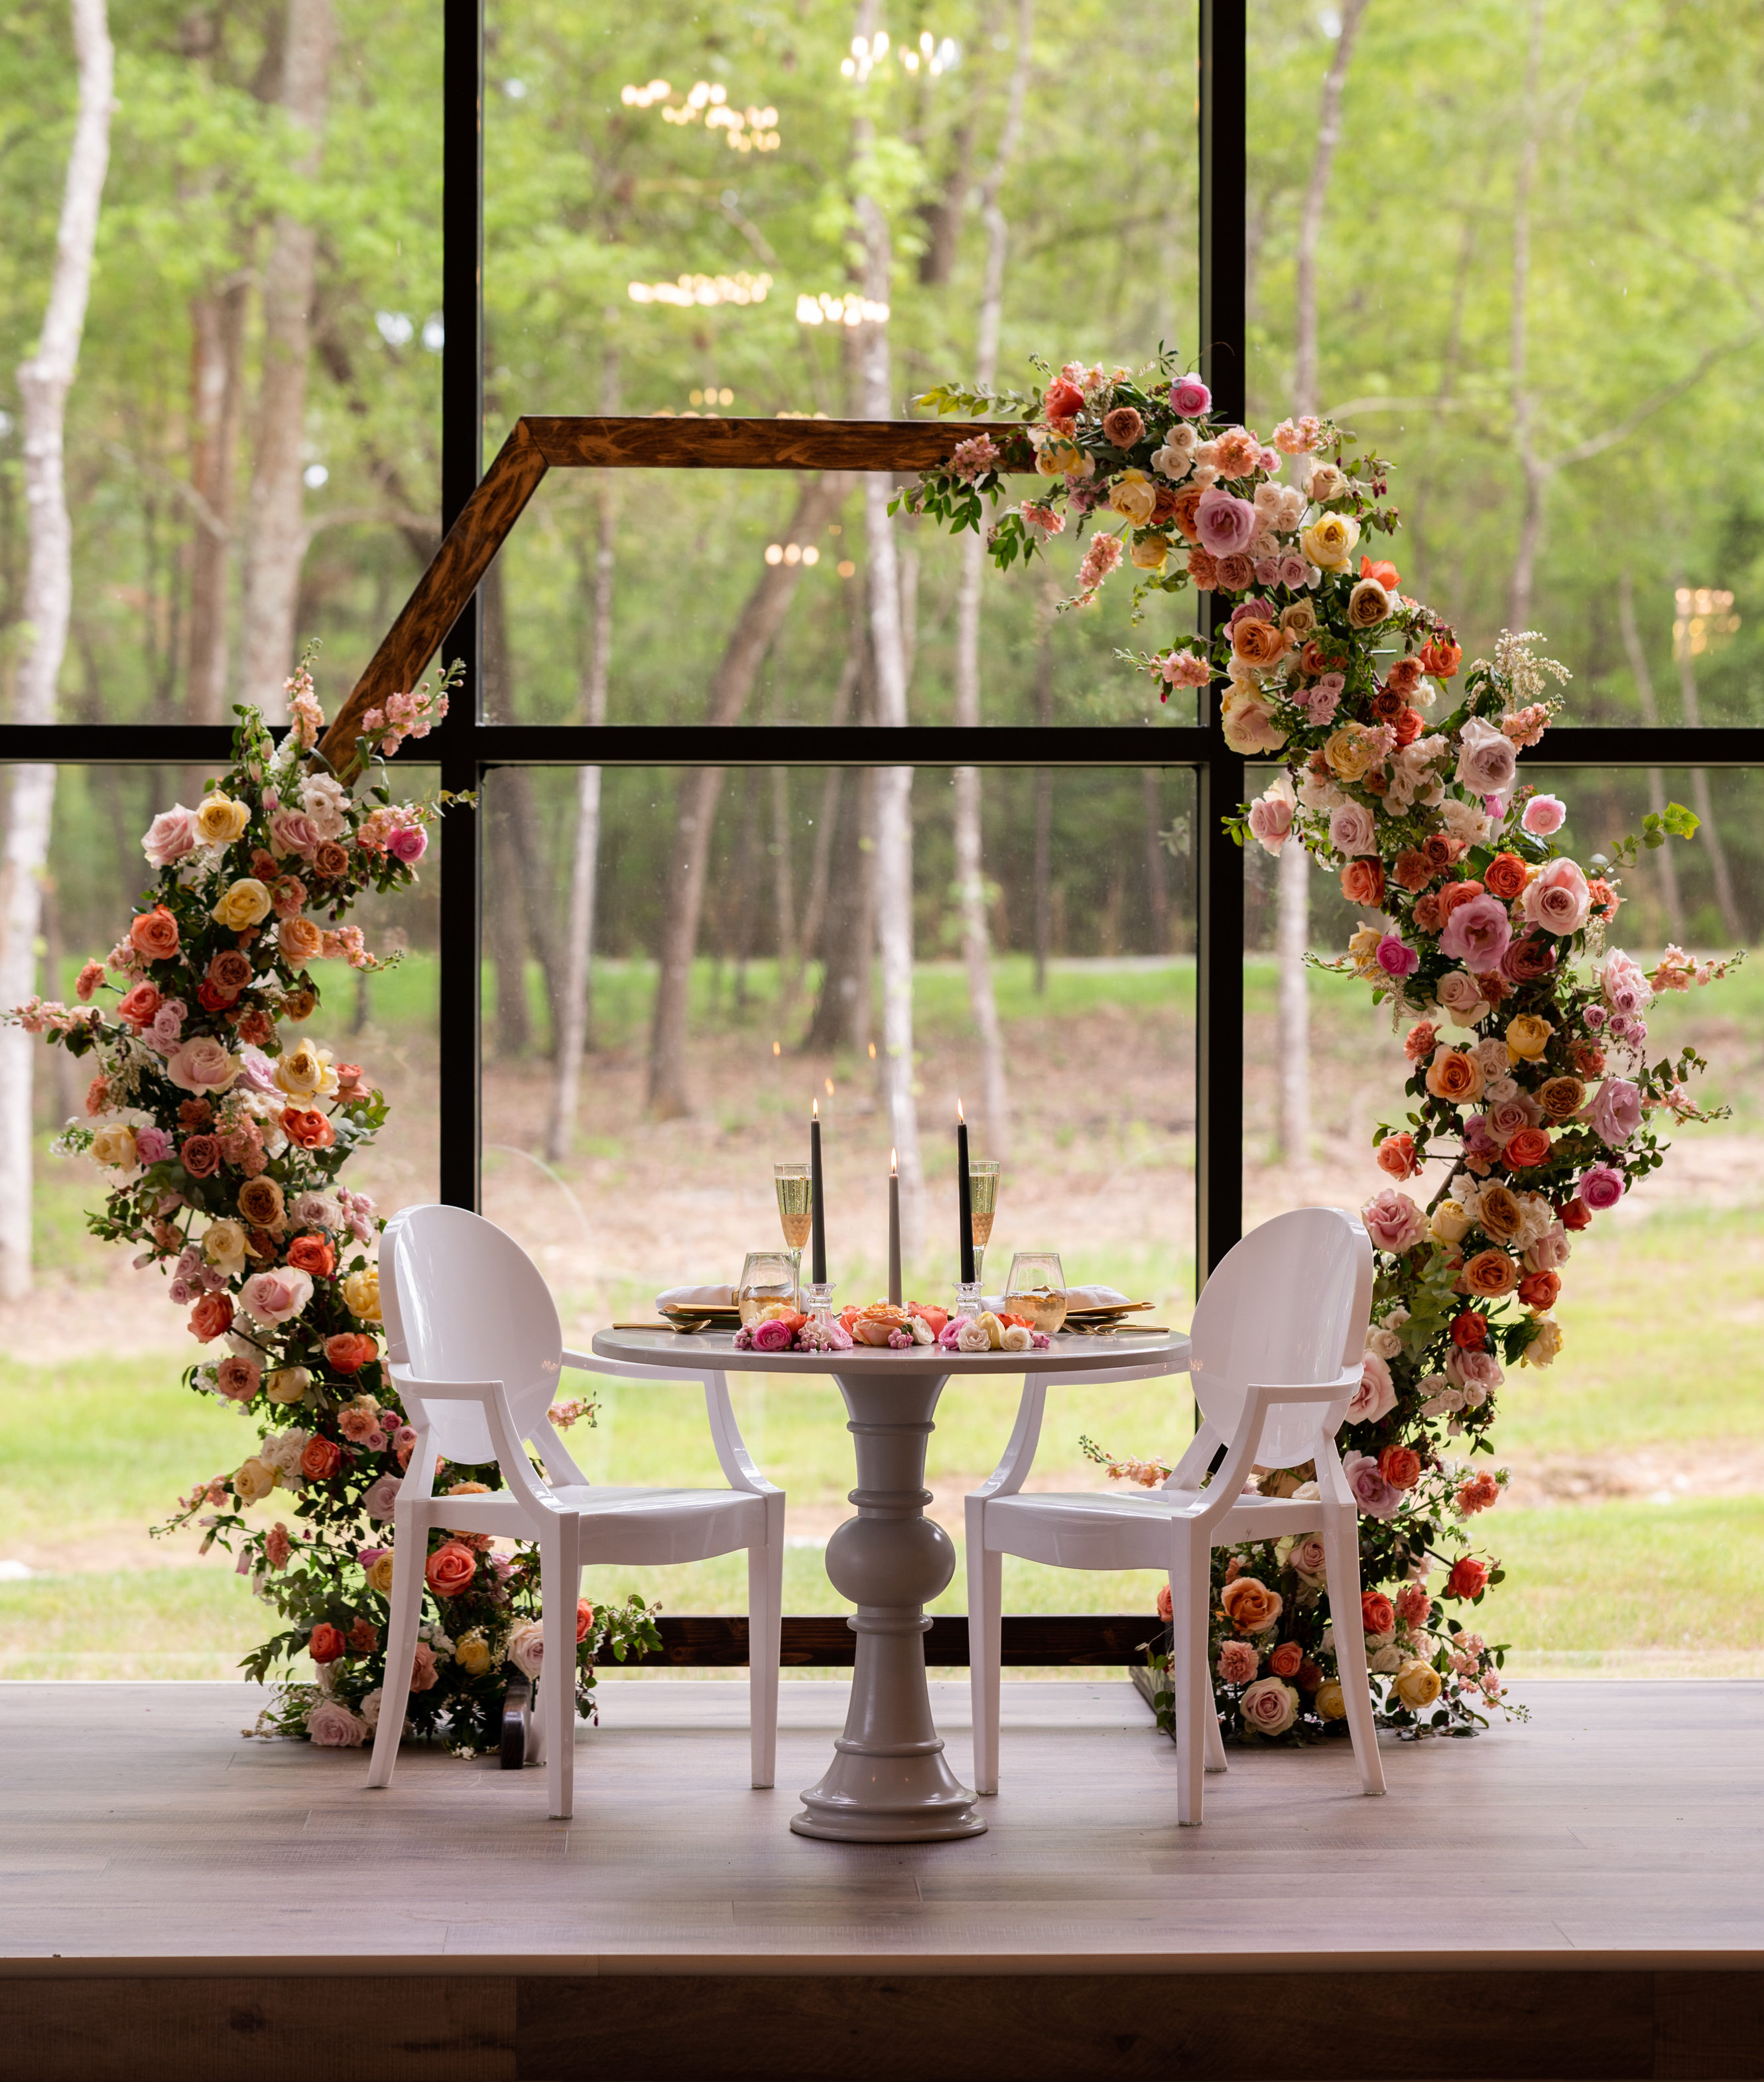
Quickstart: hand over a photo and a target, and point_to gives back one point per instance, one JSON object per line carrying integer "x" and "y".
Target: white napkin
{"x": 1095, "y": 1297}
{"x": 696, "y": 1297}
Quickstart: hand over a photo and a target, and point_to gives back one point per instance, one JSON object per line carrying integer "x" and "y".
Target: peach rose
{"x": 212, "y": 1318}
{"x": 349, "y": 1351}
{"x": 451, "y": 1569}
{"x": 1396, "y": 1155}
{"x": 1258, "y": 643}
{"x": 1455, "y": 1076}
{"x": 299, "y": 939}
{"x": 1377, "y": 1615}
{"x": 153, "y": 934}
{"x": 424, "y": 1676}
{"x": 1250, "y": 1605}
{"x": 1362, "y": 883}
{"x": 1490, "y": 1274}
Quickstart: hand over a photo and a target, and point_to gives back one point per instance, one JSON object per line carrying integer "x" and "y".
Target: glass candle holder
{"x": 969, "y": 1301}
{"x": 817, "y": 1301}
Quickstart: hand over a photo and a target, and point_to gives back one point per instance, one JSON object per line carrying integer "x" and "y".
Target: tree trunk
{"x": 820, "y": 860}
{"x": 1157, "y": 871}
{"x": 783, "y": 888}
{"x": 842, "y": 1015}
{"x": 1702, "y": 801}
{"x": 761, "y": 620}
{"x": 64, "y": 1071}
{"x": 1534, "y": 472}
{"x": 574, "y": 1008}
{"x": 1667, "y": 865}
{"x": 217, "y": 385}
{"x": 744, "y": 893}
{"x": 538, "y": 901}
{"x": 1292, "y": 929}
{"x": 43, "y": 383}
{"x": 278, "y": 539}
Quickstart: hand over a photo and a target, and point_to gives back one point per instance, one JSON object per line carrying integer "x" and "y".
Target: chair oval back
{"x": 463, "y": 1301}
{"x": 1290, "y": 1302}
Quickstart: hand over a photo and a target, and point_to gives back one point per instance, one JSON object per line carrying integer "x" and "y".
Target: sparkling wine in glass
{"x": 796, "y": 1207}
{"x": 1036, "y": 1289}
{"x": 982, "y": 1202}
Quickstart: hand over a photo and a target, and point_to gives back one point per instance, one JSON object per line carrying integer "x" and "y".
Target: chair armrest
{"x": 491, "y": 1397}
{"x": 733, "y": 1456}
{"x": 1018, "y": 1455}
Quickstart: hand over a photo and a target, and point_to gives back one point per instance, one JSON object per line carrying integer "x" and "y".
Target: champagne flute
{"x": 982, "y": 1202}
{"x": 796, "y": 1207}
{"x": 1036, "y": 1289}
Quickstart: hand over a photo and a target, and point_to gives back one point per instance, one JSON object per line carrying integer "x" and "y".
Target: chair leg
{"x": 560, "y": 1587}
{"x": 1190, "y": 1581}
{"x": 1213, "y": 1743}
{"x": 1341, "y": 1571}
{"x": 986, "y": 1599}
{"x": 764, "y": 1642}
{"x": 409, "y": 1540}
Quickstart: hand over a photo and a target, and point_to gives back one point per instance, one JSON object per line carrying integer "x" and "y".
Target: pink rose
{"x": 424, "y": 1676}
{"x": 1487, "y": 761}
{"x": 1228, "y": 525}
{"x": 1477, "y": 933}
{"x": 1376, "y": 1395}
{"x": 1506, "y": 1117}
{"x": 1544, "y": 815}
{"x": 152, "y": 1145}
{"x": 1601, "y": 1188}
{"x": 1190, "y": 396}
{"x": 773, "y": 1335}
{"x": 1462, "y": 996}
{"x": 408, "y": 844}
{"x": 1367, "y": 1486}
{"x": 202, "y": 1066}
{"x": 331, "y": 1726}
{"x": 1527, "y": 960}
{"x": 1393, "y": 1221}
{"x": 293, "y": 830}
{"x": 1624, "y": 985}
{"x": 1269, "y": 1706}
{"x": 1615, "y": 1113}
{"x": 1474, "y": 1370}
{"x": 379, "y": 1500}
{"x": 1396, "y": 957}
{"x": 1557, "y": 899}
{"x": 276, "y": 1296}
{"x": 169, "y": 837}
{"x": 1271, "y": 821}
{"x": 1352, "y": 829}
{"x": 1237, "y": 1663}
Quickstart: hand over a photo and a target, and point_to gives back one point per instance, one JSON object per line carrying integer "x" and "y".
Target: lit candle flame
{"x": 959, "y": 1114}
{"x": 814, "y": 1110}
{"x": 778, "y": 1048}
{"x": 893, "y": 1166}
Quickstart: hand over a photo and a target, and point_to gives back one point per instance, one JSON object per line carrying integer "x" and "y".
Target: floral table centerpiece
{"x": 1529, "y": 1087}
{"x": 223, "y": 1129}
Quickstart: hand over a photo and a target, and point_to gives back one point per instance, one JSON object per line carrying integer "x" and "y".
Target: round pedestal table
{"x": 888, "y": 1782}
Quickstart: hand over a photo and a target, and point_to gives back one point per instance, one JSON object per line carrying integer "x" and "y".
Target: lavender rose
{"x": 1352, "y": 829}
{"x": 1227, "y": 525}
{"x": 1370, "y": 1491}
{"x": 1487, "y": 762}
{"x": 1615, "y": 1113}
{"x": 1477, "y": 933}
{"x": 379, "y": 1500}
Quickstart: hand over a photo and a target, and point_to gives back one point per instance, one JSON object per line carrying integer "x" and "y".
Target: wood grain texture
{"x": 805, "y": 444}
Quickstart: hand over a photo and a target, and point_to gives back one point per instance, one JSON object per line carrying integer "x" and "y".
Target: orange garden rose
{"x": 321, "y": 1459}
{"x": 1187, "y": 503}
{"x": 313, "y": 1255}
{"x": 1505, "y": 876}
{"x": 1377, "y": 1615}
{"x": 1455, "y": 1076}
{"x": 1490, "y": 1274}
{"x": 1401, "y": 1468}
{"x": 300, "y": 940}
{"x": 307, "y": 1128}
{"x": 1529, "y": 1146}
{"x": 1539, "y": 1290}
{"x": 153, "y": 934}
{"x": 1441, "y": 658}
{"x": 1250, "y": 1605}
{"x": 1362, "y": 883}
{"x": 1258, "y": 643}
{"x": 212, "y": 1318}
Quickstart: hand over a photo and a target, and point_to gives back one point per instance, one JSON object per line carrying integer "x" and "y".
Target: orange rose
{"x": 1505, "y": 876}
{"x": 451, "y": 1568}
{"x": 1490, "y": 1274}
{"x": 299, "y": 939}
{"x": 1396, "y": 1155}
{"x": 1377, "y": 1615}
{"x": 349, "y": 1351}
{"x": 1453, "y": 894}
{"x": 1575, "y": 1215}
{"x": 1441, "y": 658}
{"x": 313, "y": 1255}
{"x": 1285, "y": 1660}
{"x": 153, "y": 935}
{"x": 584, "y": 1620}
{"x": 1384, "y": 572}
{"x": 1407, "y": 726}
{"x": 325, "y": 1642}
{"x": 309, "y": 1130}
{"x": 321, "y": 1459}
{"x": 1401, "y": 1468}
{"x": 1186, "y": 506}
{"x": 1455, "y": 1076}
{"x": 1250, "y": 1606}
{"x": 1362, "y": 883}
{"x": 1539, "y": 1290}
{"x": 1529, "y": 1146}
{"x": 212, "y": 1318}
{"x": 1257, "y": 641}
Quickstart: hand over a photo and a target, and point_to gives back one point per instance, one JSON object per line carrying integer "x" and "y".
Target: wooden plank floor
{"x": 1624, "y": 1826}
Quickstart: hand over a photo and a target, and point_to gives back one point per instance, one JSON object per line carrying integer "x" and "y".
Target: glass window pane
{"x": 651, "y": 1183}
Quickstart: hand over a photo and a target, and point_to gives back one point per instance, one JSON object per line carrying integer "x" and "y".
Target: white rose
{"x": 1387, "y": 1661}
{"x": 327, "y": 804}
{"x": 971, "y": 1338}
{"x": 526, "y": 1647}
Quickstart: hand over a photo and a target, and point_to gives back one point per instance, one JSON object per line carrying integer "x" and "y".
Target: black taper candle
{"x": 817, "y": 1237}
{"x": 963, "y": 1197}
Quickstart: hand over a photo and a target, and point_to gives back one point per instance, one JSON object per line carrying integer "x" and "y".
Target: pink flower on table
{"x": 1190, "y": 396}
{"x": 1367, "y": 1484}
{"x": 1601, "y": 1188}
{"x": 1227, "y": 525}
{"x": 1615, "y": 1112}
{"x": 1557, "y": 899}
{"x": 948, "y": 1337}
{"x": 1477, "y": 933}
{"x": 1237, "y": 1663}
{"x": 1393, "y": 1221}
{"x": 774, "y": 1335}
{"x": 1396, "y": 957}
{"x": 1543, "y": 816}
{"x": 1376, "y": 1395}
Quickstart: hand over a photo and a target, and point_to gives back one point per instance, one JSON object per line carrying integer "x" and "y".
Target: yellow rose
{"x": 1059, "y": 458}
{"x": 1363, "y": 951}
{"x": 287, "y": 1384}
{"x": 245, "y": 905}
{"x": 1528, "y": 1037}
{"x": 114, "y": 1145}
{"x": 1349, "y": 752}
{"x": 220, "y": 820}
{"x": 1543, "y": 1348}
{"x": 254, "y": 1482}
{"x": 1450, "y": 1225}
{"x": 1330, "y": 1704}
{"x": 304, "y": 1072}
{"x": 380, "y": 1575}
{"x": 223, "y": 1245}
{"x": 471, "y": 1652}
{"x": 1331, "y": 541}
{"x": 1151, "y": 553}
{"x": 361, "y": 1292}
{"x": 1417, "y": 1685}
{"x": 993, "y": 1329}
{"x": 1132, "y": 495}
{"x": 1368, "y": 605}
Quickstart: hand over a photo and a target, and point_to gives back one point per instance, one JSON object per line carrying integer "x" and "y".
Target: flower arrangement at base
{"x": 1534, "y": 1108}
{"x": 223, "y": 1128}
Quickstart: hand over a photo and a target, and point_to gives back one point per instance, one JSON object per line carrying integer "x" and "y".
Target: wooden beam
{"x": 823, "y": 1641}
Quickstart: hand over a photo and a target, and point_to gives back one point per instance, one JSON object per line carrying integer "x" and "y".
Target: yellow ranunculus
{"x": 1330, "y": 542}
{"x": 304, "y": 1072}
{"x": 361, "y": 1292}
{"x": 1363, "y": 951}
{"x": 223, "y": 1245}
{"x": 1528, "y": 1037}
{"x": 114, "y": 1145}
{"x": 245, "y": 905}
{"x": 1350, "y": 752}
{"x": 1330, "y": 1704}
{"x": 380, "y": 1575}
{"x": 1151, "y": 553}
{"x": 288, "y": 1385}
{"x": 1417, "y": 1685}
{"x": 471, "y": 1652}
{"x": 254, "y": 1482}
{"x": 220, "y": 820}
{"x": 1451, "y": 1224}
{"x": 1132, "y": 495}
